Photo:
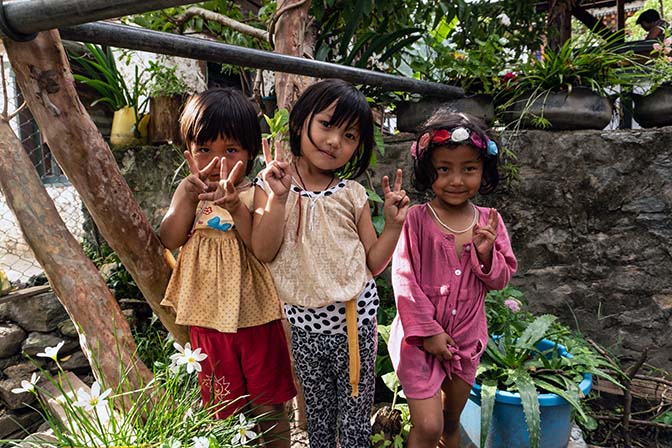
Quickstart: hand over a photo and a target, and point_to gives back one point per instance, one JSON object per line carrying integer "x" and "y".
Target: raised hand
{"x": 437, "y": 345}
{"x": 196, "y": 182}
{"x": 395, "y": 200}
{"x": 276, "y": 172}
{"x": 225, "y": 195}
{"x": 484, "y": 238}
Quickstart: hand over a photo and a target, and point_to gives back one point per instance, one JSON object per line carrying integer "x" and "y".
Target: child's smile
{"x": 459, "y": 171}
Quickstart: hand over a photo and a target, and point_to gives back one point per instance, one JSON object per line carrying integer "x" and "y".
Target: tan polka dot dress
{"x": 218, "y": 283}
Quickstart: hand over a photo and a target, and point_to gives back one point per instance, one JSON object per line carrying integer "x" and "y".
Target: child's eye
{"x": 325, "y": 123}
{"x": 231, "y": 150}
{"x": 203, "y": 150}
{"x": 470, "y": 169}
{"x": 351, "y": 136}
{"x": 442, "y": 169}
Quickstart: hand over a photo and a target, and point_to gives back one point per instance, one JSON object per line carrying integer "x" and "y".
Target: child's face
{"x": 334, "y": 145}
{"x": 221, "y": 147}
{"x": 458, "y": 174}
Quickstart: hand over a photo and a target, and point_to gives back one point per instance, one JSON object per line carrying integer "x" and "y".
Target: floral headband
{"x": 456, "y": 135}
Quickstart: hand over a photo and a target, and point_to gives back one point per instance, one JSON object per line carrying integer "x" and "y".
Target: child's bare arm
{"x": 175, "y": 227}
{"x": 268, "y": 224}
{"x": 379, "y": 250}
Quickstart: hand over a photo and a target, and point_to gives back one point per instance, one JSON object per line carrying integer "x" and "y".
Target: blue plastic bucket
{"x": 508, "y": 428}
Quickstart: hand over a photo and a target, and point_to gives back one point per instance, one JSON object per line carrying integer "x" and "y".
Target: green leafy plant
{"x": 513, "y": 362}
{"x": 582, "y": 62}
{"x": 658, "y": 69}
{"x": 103, "y": 76}
{"x": 166, "y": 412}
{"x": 164, "y": 81}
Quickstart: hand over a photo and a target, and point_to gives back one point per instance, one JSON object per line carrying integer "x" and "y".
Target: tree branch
{"x": 226, "y": 21}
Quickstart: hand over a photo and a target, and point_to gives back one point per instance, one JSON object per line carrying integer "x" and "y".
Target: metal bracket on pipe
{"x": 6, "y": 31}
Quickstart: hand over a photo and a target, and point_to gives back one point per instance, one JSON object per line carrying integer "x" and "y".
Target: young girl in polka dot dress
{"x": 450, "y": 253}
{"x": 313, "y": 226}
{"x": 219, "y": 289}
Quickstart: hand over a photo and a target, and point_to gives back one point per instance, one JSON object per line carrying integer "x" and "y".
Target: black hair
{"x": 424, "y": 173}
{"x": 351, "y": 109}
{"x": 225, "y": 113}
{"x": 648, "y": 16}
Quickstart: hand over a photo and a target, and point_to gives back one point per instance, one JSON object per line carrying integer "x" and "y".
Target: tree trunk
{"x": 43, "y": 74}
{"x": 290, "y": 38}
{"x": 74, "y": 278}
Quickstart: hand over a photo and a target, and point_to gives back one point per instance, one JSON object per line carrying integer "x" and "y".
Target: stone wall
{"x": 590, "y": 221}
{"x": 30, "y": 320}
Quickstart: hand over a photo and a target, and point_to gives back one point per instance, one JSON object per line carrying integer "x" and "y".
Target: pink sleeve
{"x": 416, "y": 311}
{"x": 504, "y": 263}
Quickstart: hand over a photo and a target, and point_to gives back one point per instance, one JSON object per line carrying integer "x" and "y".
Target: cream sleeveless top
{"x": 321, "y": 260}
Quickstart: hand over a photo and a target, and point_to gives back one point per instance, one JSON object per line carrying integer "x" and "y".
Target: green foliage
{"x": 165, "y": 82}
{"x": 103, "y": 76}
{"x": 165, "y": 412}
{"x": 513, "y": 362}
{"x": 278, "y": 126}
{"x": 658, "y": 69}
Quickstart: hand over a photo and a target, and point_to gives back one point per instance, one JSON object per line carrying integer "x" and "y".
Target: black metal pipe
{"x": 123, "y": 36}
{"x": 31, "y": 16}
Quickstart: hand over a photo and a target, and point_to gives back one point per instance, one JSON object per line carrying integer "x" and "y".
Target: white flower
{"x": 52, "y": 352}
{"x": 503, "y": 41}
{"x": 244, "y": 432}
{"x": 188, "y": 415}
{"x": 459, "y": 135}
{"x": 27, "y": 386}
{"x": 201, "y": 442}
{"x": 504, "y": 19}
{"x": 95, "y": 401}
{"x": 186, "y": 355}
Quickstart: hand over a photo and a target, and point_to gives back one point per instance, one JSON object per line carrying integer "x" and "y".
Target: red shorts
{"x": 253, "y": 362}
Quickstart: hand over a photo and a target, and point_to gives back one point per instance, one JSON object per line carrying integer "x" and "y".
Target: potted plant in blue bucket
{"x": 529, "y": 386}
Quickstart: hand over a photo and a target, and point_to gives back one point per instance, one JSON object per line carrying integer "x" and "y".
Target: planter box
{"x": 579, "y": 109}
{"x": 508, "y": 428}
{"x": 411, "y": 115}
{"x": 655, "y": 109}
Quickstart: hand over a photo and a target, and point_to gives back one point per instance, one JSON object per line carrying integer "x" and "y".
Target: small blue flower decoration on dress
{"x": 492, "y": 148}
{"x": 214, "y": 223}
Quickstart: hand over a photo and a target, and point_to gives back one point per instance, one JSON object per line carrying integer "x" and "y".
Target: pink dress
{"x": 436, "y": 292}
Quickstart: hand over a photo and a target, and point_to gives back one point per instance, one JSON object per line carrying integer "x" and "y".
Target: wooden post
{"x": 74, "y": 278}
{"x": 43, "y": 74}
{"x": 559, "y": 22}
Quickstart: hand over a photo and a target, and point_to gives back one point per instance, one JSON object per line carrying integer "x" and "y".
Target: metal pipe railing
{"x": 135, "y": 38}
{"x": 26, "y": 17}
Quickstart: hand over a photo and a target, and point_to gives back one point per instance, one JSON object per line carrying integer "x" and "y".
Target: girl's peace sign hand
{"x": 197, "y": 181}
{"x": 484, "y": 238}
{"x": 275, "y": 174}
{"x": 225, "y": 194}
{"x": 396, "y": 202}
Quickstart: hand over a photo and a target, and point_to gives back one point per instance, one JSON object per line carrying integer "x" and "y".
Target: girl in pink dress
{"x": 450, "y": 254}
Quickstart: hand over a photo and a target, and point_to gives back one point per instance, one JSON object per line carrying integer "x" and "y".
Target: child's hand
{"x": 438, "y": 344}
{"x": 196, "y": 182}
{"x": 396, "y": 202}
{"x": 226, "y": 194}
{"x": 275, "y": 174}
{"x": 484, "y": 238}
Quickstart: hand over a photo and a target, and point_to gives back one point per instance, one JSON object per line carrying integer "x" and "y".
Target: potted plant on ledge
{"x": 654, "y": 107}
{"x": 167, "y": 91}
{"x": 568, "y": 88}
{"x": 129, "y": 125}
{"x": 528, "y": 385}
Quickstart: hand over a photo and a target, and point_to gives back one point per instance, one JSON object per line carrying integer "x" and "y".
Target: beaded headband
{"x": 455, "y": 135}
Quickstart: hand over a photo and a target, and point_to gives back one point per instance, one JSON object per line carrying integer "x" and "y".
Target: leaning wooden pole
{"x": 73, "y": 277}
{"x": 43, "y": 74}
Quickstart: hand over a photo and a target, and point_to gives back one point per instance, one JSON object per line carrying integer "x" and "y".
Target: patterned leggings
{"x": 321, "y": 363}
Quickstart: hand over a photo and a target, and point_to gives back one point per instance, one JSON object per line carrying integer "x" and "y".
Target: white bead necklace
{"x": 450, "y": 229}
